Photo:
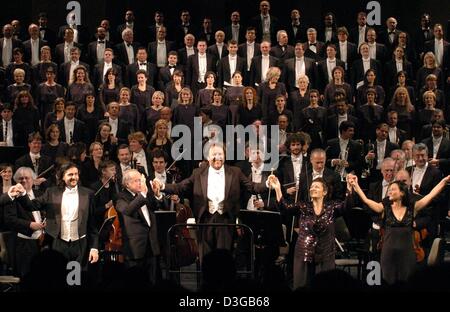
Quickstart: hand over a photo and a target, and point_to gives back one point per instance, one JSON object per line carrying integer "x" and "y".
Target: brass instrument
{"x": 340, "y": 167}
{"x": 366, "y": 172}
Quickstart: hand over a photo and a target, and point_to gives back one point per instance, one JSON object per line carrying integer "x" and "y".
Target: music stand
{"x": 164, "y": 220}
{"x": 266, "y": 226}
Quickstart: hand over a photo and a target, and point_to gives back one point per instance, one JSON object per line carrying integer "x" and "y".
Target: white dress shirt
{"x": 220, "y": 49}
{"x": 343, "y": 50}
{"x": 67, "y": 47}
{"x": 7, "y": 132}
{"x": 190, "y": 51}
{"x": 266, "y": 26}
{"x": 34, "y": 51}
{"x": 439, "y": 49}
{"x": 385, "y": 185}
{"x": 161, "y": 53}
{"x": 393, "y": 135}
{"x": 399, "y": 65}
{"x": 216, "y": 189}
{"x": 69, "y": 215}
{"x": 256, "y": 178}
{"x": 235, "y": 32}
{"x": 202, "y": 67}
{"x": 114, "y": 125}
{"x": 6, "y": 52}
{"x": 361, "y": 35}
{"x": 35, "y": 161}
{"x": 69, "y": 126}
{"x": 299, "y": 68}
{"x": 100, "y": 51}
{"x": 130, "y": 52}
{"x": 331, "y": 64}
{"x": 141, "y": 159}
{"x": 106, "y": 66}
{"x": 265, "y": 62}
{"x": 73, "y": 65}
{"x": 328, "y": 33}
{"x": 372, "y": 50}
{"x": 381, "y": 150}
{"x": 297, "y": 162}
{"x": 232, "y": 59}
{"x": 250, "y": 53}
{"x": 161, "y": 177}
{"x": 342, "y": 118}
{"x": 366, "y": 64}
{"x": 312, "y": 47}
{"x": 436, "y": 145}
{"x": 417, "y": 175}
{"x": 316, "y": 174}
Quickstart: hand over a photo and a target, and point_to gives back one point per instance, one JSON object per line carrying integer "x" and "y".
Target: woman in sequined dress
{"x": 398, "y": 258}
{"x": 314, "y": 250}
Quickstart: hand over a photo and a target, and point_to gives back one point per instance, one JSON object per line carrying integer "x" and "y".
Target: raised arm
{"x": 377, "y": 207}
{"x": 425, "y": 201}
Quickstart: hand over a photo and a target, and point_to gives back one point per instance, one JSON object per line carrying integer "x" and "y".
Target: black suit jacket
{"x": 183, "y": 57}
{"x": 289, "y": 73}
{"x": 383, "y": 38}
{"x": 18, "y": 135}
{"x": 354, "y": 34}
{"x": 390, "y": 73}
{"x": 132, "y": 69}
{"x": 429, "y": 47}
{"x": 443, "y": 154}
{"x": 229, "y": 33}
{"x": 120, "y": 52}
{"x": 286, "y": 174}
{"x": 256, "y": 21}
{"x": 354, "y": 154}
{"x": 322, "y": 69}
{"x": 15, "y": 44}
{"x": 333, "y": 128}
{"x": 196, "y": 187}
{"x": 153, "y": 49}
{"x": 242, "y": 50}
{"x": 192, "y": 68}
{"x": 352, "y": 54}
{"x": 387, "y": 152}
{"x": 333, "y": 180}
{"x": 138, "y": 236}
{"x": 164, "y": 77}
{"x": 43, "y": 164}
{"x": 51, "y": 203}
{"x": 59, "y": 52}
{"x": 49, "y": 36}
{"x": 319, "y": 55}
{"x": 83, "y": 34}
{"x": 123, "y": 130}
{"x": 300, "y": 36}
{"x": 223, "y": 69}
{"x": 256, "y": 68}
{"x": 64, "y": 73}
{"x": 79, "y": 131}
{"x": 27, "y": 49}
{"x": 91, "y": 55}
{"x": 278, "y": 52}
{"x": 357, "y": 72}
{"x": 214, "y": 51}
{"x": 98, "y": 77}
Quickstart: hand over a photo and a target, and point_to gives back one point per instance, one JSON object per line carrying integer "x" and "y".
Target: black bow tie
{"x": 313, "y": 44}
{"x": 128, "y": 44}
{"x": 142, "y": 64}
{"x": 392, "y": 33}
{"x": 172, "y": 66}
{"x": 101, "y": 41}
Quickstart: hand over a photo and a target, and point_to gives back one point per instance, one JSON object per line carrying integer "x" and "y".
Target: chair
{"x": 350, "y": 254}
{"x": 437, "y": 251}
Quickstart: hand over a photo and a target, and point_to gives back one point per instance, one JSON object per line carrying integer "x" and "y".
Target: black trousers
{"x": 149, "y": 263}
{"x": 26, "y": 250}
{"x": 219, "y": 237}
{"x": 73, "y": 250}
{"x": 304, "y": 271}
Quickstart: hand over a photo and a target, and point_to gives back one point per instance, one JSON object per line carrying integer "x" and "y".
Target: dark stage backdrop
{"x": 407, "y": 11}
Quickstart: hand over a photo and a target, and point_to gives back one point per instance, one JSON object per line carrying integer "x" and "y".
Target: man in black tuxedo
{"x": 396, "y": 135}
{"x": 159, "y": 49}
{"x": 127, "y": 49}
{"x": 70, "y": 216}
{"x": 438, "y": 147}
{"x": 248, "y": 50}
{"x": 230, "y": 64}
{"x": 187, "y": 50}
{"x": 345, "y": 50}
{"x": 318, "y": 170}
{"x": 423, "y": 34}
{"x": 326, "y": 66}
{"x": 7, "y": 46}
{"x": 153, "y": 29}
{"x": 72, "y": 130}
{"x": 140, "y": 233}
{"x": 66, "y": 69}
{"x": 197, "y": 66}
{"x": 119, "y": 128}
{"x": 296, "y": 31}
{"x": 282, "y": 50}
{"x": 101, "y": 68}
{"x": 96, "y": 49}
{"x": 381, "y": 149}
{"x": 261, "y": 64}
{"x": 130, "y": 24}
{"x": 219, "y": 49}
{"x": 125, "y": 163}
{"x": 328, "y": 31}
{"x": 215, "y": 190}
{"x": 186, "y": 27}
{"x": 235, "y": 30}
{"x": 39, "y": 163}
{"x": 425, "y": 177}
{"x": 313, "y": 47}
{"x": 439, "y": 46}
{"x": 11, "y": 133}
{"x": 266, "y": 24}
{"x": 32, "y": 47}
{"x": 63, "y": 50}
{"x": 166, "y": 73}
{"x": 377, "y": 51}
{"x": 27, "y": 226}
{"x": 297, "y": 66}
{"x": 141, "y": 63}
{"x": 342, "y": 114}
{"x": 358, "y": 34}
{"x": 46, "y": 33}
{"x": 81, "y": 33}
{"x": 389, "y": 36}
{"x": 360, "y": 66}
{"x": 344, "y": 151}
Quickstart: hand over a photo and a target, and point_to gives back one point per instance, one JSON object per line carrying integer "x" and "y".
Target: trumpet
{"x": 340, "y": 167}
{"x": 366, "y": 172}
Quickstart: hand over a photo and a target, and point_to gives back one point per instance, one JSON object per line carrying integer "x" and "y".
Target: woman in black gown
{"x": 315, "y": 249}
{"x": 398, "y": 258}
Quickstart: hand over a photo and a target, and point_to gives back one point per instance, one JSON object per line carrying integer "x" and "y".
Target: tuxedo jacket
{"x": 15, "y": 44}
{"x": 242, "y": 50}
{"x": 229, "y": 33}
{"x": 333, "y": 180}
{"x": 354, "y": 34}
{"x": 289, "y": 73}
{"x": 49, "y": 36}
{"x": 196, "y": 187}
{"x": 183, "y": 57}
{"x": 390, "y": 73}
{"x": 354, "y": 154}
{"x": 223, "y": 69}
{"x": 83, "y": 34}
{"x": 27, "y": 49}
{"x": 18, "y": 135}
{"x": 357, "y": 71}
{"x": 64, "y": 73}
{"x": 79, "y": 131}
{"x": 368, "y": 130}
{"x": 153, "y": 50}
{"x": 179, "y": 33}
{"x": 332, "y": 130}
{"x": 443, "y": 153}
{"x": 293, "y": 37}
{"x": 132, "y": 69}
{"x": 39, "y": 72}
{"x": 381, "y": 54}
{"x": 138, "y": 235}
{"x": 121, "y": 55}
{"x": 51, "y": 200}
{"x": 214, "y": 51}
{"x": 246, "y": 168}
{"x": 119, "y": 174}
{"x": 429, "y": 47}
{"x": 98, "y": 77}
{"x": 256, "y": 68}
{"x": 256, "y": 21}
{"x": 123, "y": 130}
{"x": 91, "y": 55}
{"x": 164, "y": 76}
{"x": 387, "y": 152}
{"x": 400, "y": 136}
{"x": 59, "y": 52}
{"x": 278, "y": 52}
{"x": 322, "y": 70}
{"x": 192, "y": 68}
{"x": 352, "y": 54}
{"x": 383, "y": 38}
{"x": 286, "y": 174}
{"x": 319, "y": 55}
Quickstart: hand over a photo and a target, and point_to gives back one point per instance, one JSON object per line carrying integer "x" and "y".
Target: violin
{"x": 419, "y": 236}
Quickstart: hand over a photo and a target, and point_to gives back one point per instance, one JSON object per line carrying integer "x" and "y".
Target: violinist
{"x": 125, "y": 162}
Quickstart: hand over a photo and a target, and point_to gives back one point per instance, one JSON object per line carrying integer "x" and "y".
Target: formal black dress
{"x": 91, "y": 120}
{"x": 46, "y": 96}
{"x": 248, "y": 116}
{"x": 398, "y": 259}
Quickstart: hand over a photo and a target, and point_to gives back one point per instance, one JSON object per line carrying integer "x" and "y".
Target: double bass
{"x": 184, "y": 249}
